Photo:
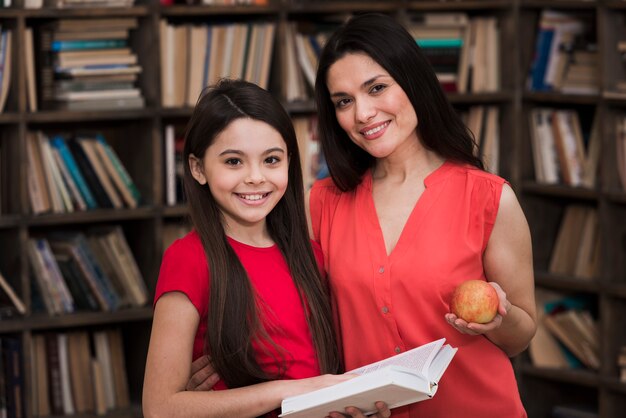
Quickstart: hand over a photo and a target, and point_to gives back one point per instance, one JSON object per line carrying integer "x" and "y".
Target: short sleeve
{"x": 184, "y": 269}
{"x": 486, "y": 199}
{"x": 323, "y": 193}
{"x": 319, "y": 258}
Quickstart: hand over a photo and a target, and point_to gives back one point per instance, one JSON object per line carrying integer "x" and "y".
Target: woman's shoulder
{"x": 325, "y": 185}
{"x": 475, "y": 175}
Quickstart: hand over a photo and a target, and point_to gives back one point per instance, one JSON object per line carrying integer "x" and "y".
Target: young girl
{"x": 244, "y": 287}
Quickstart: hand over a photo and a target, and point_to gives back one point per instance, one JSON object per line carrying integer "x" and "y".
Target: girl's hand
{"x": 203, "y": 375}
{"x": 383, "y": 412}
{"x": 472, "y": 328}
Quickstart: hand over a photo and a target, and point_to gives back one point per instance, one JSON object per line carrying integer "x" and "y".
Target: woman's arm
{"x": 168, "y": 369}
{"x": 509, "y": 267}
{"x": 508, "y": 262}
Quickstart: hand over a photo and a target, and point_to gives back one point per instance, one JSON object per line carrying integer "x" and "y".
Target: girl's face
{"x": 246, "y": 168}
{"x": 371, "y": 106}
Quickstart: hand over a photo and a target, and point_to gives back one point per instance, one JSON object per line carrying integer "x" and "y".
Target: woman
{"x": 409, "y": 214}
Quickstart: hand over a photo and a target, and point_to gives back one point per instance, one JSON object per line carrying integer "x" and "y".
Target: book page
{"x": 418, "y": 358}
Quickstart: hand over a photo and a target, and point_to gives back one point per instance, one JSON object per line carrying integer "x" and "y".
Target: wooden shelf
{"x": 87, "y": 12}
{"x": 559, "y": 4}
{"x": 456, "y": 6}
{"x": 141, "y": 141}
{"x": 91, "y": 216}
{"x": 61, "y": 116}
{"x": 198, "y": 10}
{"x": 566, "y": 283}
{"x": 580, "y": 377}
{"x": 561, "y": 99}
{"x": 560, "y": 191}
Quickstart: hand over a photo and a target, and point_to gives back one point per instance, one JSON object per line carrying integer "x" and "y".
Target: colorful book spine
{"x": 128, "y": 181}
{"x": 57, "y": 46}
{"x": 59, "y": 143}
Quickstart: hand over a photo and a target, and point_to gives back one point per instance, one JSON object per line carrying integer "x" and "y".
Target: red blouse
{"x": 388, "y": 304}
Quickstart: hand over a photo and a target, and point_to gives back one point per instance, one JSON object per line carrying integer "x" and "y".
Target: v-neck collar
{"x": 416, "y": 217}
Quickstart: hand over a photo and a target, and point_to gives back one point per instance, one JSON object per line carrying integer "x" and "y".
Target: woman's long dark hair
{"x": 233, "y": 318}
{"x": 389, "y": 44}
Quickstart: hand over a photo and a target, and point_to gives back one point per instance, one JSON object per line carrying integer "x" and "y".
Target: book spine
{"x": 57, "y": 46}
{"x": 59, "y": 143}
{"x": 128, "y": 181}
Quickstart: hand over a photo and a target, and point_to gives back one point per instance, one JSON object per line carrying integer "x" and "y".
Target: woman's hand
{"x": 383, "y": 412}
{"x": 203, "y": 375}
{"x": 473, "y": 328}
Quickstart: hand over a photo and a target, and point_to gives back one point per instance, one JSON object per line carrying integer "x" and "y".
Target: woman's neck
{"x": 414, "y": 165}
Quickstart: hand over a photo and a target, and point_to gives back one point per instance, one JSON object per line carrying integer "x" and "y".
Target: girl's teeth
{"x": 252, "y": 197}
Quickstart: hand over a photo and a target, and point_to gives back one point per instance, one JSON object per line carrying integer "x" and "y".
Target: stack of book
{"x": 565, "y": 59}
{"x": 195, "y": 56}
{"x": 576, "y": 252}
{"x": 70, "y": 378}
{"x": 88, "y": 64}
{"x": 464, "y": 52}
{"x": 174, "y": 165}
{"x": 76, "y": 173}
{"x": 484, "y": 123}
{"x": 5, "y": 65}
{"x": 311, "y": 157}
{"x": 559, "y": 152}
{"x": 567, "y": 333}
{"x": 93, "y": 272}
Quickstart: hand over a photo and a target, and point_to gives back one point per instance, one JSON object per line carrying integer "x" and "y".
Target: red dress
{"x": 184, "y": 268}
{"x": 389, "y": 304}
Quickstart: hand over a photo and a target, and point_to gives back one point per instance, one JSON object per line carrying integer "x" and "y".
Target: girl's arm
{"x": 509, "y": 266}
{"x": 168, "y": 369}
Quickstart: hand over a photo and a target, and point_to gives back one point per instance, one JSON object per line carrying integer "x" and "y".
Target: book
{"x": 5, "y": 287}
{"x": 412, "y": 376}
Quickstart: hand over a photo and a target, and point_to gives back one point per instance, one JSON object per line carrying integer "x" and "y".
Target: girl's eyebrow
{"x": 239, "y": 152}
{"x": 365, "y": 84}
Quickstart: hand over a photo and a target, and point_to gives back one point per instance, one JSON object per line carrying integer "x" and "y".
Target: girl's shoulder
{"x": 188, "y": 248}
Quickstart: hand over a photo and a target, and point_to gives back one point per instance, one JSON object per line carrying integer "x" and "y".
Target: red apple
{"x": 475, "y": 301}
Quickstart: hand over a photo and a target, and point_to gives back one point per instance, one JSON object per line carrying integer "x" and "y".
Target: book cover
{"x": 412, "y": 376}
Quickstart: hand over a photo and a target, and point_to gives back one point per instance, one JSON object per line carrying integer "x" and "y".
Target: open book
{"x": 409, "y": 377}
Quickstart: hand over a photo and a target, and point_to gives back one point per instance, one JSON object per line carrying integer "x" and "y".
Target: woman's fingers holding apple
{"x": 459, "y": 324}
{"x": 473, "y": 328}
{"x": 484, "y": 328}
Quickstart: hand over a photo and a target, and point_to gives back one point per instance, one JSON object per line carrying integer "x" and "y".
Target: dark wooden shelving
{"x": 138, "y": 135}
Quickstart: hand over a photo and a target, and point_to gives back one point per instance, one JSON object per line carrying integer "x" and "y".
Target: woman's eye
{"x": 272, "y": 160}
{"x": 378, "y": 88}
{"x": 342, "y": 103}
{"x": 233, "y": 161}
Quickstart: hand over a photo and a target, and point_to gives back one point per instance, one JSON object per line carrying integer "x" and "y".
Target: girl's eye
{"x": 233, "y": 161}
{"x": 378, "y": 88}
{"x": 272, "y": 160}
{"x": 342, "y": 103}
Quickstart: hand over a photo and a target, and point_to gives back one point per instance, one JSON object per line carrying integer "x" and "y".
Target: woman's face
{"x": 371, "y": 106}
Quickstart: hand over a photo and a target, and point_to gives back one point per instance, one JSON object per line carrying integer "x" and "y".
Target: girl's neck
{"x": 255, "y": 236}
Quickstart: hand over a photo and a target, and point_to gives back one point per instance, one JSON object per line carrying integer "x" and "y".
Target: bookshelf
{"x": 601, "y": 390}
{"x": 138, "y": 136}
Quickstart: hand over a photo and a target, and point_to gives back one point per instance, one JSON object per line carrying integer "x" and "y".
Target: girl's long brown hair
{"x": 233, "y": 315}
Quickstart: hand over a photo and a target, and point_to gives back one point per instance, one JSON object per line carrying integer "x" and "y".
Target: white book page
{"x": 418, "y": 358}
